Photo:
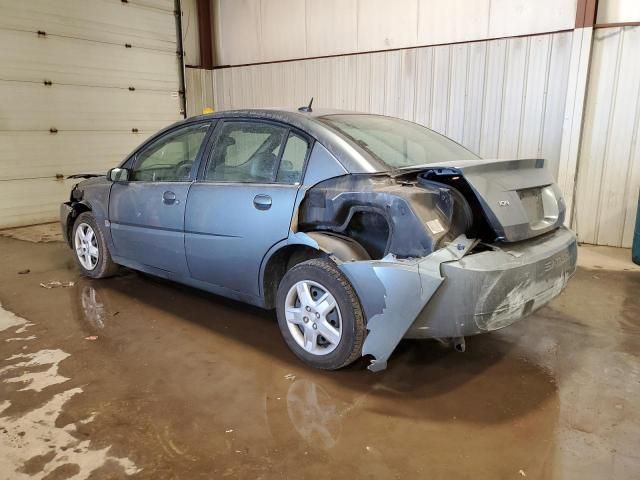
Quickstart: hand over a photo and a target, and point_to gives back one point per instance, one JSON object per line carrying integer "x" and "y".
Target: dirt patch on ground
{"x": 47, "y": 232}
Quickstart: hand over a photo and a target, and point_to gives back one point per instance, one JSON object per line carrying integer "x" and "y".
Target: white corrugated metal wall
{"x": 609, "y": 168}
{"x": 501, "y": 98}
{"x": 252, "y": 31}
{"x": 198, "y": 90}
{"x": 100, "y": 91}
{"x": 514, "y": 97}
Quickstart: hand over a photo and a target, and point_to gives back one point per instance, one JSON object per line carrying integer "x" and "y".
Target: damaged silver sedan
{"x": 360, "y": 230}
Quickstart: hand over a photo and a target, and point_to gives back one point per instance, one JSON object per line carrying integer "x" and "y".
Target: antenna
{"x": 307, "y": 108}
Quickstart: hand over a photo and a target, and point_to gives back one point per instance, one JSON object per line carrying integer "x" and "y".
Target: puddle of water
{"x": 39, "y": 380}
{"x": 9, "y": 319}
{"x": 20, "y": 339}
{"x": 32, "y": 445}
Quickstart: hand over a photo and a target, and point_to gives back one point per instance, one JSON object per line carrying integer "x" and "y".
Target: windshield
{"x": 397, "y": 143}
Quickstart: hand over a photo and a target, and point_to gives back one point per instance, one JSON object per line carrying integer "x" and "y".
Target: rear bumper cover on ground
{"x": 451, "y": 294}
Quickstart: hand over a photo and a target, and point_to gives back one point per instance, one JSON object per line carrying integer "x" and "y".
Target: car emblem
{"x": 504, "y": 203}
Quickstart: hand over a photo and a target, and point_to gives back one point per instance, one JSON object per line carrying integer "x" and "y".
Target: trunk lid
{"x": 518, "y": 198}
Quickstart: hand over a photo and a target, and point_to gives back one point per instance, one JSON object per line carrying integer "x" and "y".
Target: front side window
{"x": 170, "y": 157}
{"x": 397, "y": 143}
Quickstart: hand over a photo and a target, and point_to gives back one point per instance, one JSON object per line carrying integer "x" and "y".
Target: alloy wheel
{"x": 313, "y": 317}
{"x": 86, "y": 245}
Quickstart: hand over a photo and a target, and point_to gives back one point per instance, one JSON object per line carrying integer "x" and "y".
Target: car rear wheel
{"x": 91, "y": 252}
{"x": 320, "y": 316}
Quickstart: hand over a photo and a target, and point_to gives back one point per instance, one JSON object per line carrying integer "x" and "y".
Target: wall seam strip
{"x": 484, "y": 95}
{"x": 545, "y": 95}
{"x": 449, "y": 77}
{"x": 466, "y": 93}
{"x": 523, "y": 101}
{"x": 612, "y": 110}
{"x": 616, "y": 24}
{"x": 415, "y": 85}
{"x": 220, "y": 67}
{"x": 502, "y": 95}
{"x": 632, "y": 148}
{"x": 573, "y": 220}
{"x": 433, "y": 76}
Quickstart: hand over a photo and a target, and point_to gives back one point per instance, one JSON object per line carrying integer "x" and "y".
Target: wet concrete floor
{"x": 137, "y": 376}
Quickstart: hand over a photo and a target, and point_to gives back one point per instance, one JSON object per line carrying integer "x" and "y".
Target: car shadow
{"x": 489, "y": 383}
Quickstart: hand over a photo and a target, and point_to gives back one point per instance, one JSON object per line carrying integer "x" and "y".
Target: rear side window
{"x": 397, "y": 143}
{"x": 246, "y": 152}
{"x": 293, "y": 157}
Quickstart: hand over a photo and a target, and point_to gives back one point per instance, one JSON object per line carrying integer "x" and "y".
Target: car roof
{"x": 354, "y": 160}
{"x": 291, "y": 113}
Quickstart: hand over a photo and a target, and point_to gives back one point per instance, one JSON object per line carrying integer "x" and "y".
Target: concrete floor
{"x": 133, "y": 375}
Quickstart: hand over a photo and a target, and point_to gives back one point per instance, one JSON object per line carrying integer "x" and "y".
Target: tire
{"x": 99, "y": 266}
{"x": 325, "y": 286}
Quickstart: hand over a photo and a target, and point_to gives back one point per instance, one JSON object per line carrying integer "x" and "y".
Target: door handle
{"x": 262, "y": 202}
{"x": 169, "y": 198}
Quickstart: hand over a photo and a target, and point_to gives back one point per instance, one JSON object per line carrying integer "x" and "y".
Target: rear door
{"x": 147, "y": 212}
{"x": 243, "y": 201}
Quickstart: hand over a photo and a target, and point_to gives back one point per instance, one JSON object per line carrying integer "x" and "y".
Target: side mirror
{"x": 118, "y": 175}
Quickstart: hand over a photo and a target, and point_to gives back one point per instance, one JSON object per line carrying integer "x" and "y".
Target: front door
{"x": 243, "y": 202}
{"x": 147, "y": 211}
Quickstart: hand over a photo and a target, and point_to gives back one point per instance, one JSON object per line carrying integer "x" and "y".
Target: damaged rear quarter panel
{"x": 419, "y": 217}
{"x": 404, "y": 273}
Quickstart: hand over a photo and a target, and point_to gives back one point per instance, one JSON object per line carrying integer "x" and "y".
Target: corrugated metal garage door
{"x": 81, "y": 84}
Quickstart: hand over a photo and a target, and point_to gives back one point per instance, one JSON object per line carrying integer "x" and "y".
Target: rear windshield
{"x": 397, "y": 143}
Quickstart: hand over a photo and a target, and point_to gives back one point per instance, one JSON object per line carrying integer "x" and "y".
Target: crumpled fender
{"x": 394, "y": 291}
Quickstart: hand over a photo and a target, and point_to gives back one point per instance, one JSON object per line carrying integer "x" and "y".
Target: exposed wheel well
{"x": 279, "y": 263}
{"x": 370, "y": 229}
{"x": 343, "y": 248}
{"x": 78, "y": 208}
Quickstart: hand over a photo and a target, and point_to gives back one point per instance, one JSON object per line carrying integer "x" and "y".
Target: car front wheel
{"x": 320, "y": 316}
{"x": 90, "y": 248}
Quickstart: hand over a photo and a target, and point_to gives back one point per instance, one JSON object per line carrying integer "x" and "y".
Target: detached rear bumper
{"x": 493, "y": 289}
